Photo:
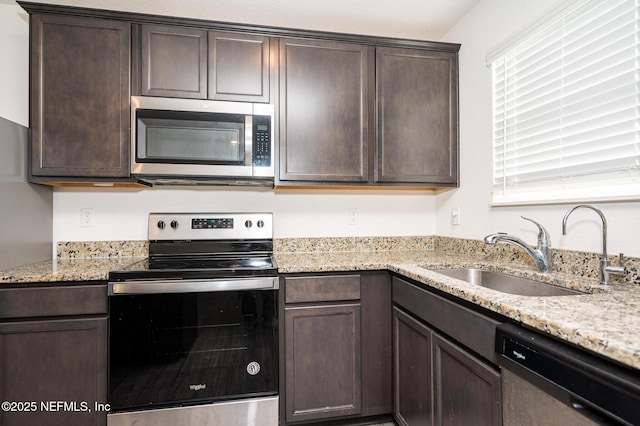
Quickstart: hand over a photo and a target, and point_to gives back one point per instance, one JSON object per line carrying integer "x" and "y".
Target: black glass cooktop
{"x": 198, "y": 267}
{"x": 205, "y": 259}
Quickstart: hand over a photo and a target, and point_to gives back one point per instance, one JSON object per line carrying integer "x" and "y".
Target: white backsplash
{"x": 121, "y": 214}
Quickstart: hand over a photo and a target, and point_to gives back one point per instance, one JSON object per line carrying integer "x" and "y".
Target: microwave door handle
{"x": 248, "y": 140}
{"x": 191, "y": 286}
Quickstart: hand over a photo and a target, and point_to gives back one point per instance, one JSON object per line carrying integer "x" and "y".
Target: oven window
{"x": 185, "y": 138}
{"x": 176, "y": 349}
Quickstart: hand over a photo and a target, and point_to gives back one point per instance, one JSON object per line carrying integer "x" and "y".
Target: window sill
{"x": 603, "y": 194}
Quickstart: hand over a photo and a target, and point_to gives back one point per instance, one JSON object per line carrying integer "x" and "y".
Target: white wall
{"x": 14, "y": 66}
{"x": 485, "y": 26}
{"x": 121, "y": 214}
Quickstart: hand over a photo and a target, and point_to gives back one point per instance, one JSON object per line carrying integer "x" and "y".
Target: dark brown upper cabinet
{"x": 352, "y": 110}
{"x": 192, "y": 63}
{"x": 239, "y": 67}
{"x": 79, "y": 78}
{"x": 324, "y": 111}
{"x": 173, "y": 61}
{"x": 353, "y": 115}
{"x": 417, "y": 119}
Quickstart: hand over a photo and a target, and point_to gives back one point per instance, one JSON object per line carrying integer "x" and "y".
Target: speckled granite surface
{"x": 79, "y": 261}
{"x": 604, "y": 320}
{"x": 101, "y": 249}
{"x": 338, "y": 244}
{"x": 60, "y": 270}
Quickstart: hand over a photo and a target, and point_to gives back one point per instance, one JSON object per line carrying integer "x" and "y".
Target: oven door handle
{"x": 191, "y": 286}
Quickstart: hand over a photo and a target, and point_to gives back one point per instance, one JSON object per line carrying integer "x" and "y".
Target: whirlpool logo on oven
{"x": 198, "y": 387}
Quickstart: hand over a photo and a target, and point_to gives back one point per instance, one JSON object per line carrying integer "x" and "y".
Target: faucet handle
{"x": 543, "y": 235}
{"x": 622, "y": 262}
{"x": 617, "y": 270}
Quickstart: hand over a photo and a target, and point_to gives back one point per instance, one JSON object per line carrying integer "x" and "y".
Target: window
{"x": 566, "y": 107}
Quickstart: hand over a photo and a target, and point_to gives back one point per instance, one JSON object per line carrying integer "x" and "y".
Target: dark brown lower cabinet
{"x": 437, "y": 380}
{"x": 413, "y": 401}
{"x": 336, "y": 361}
{"x": 466, "y": 390}
{"x": 53, "y": 372}
{"x": 323, "y": 362}
{"x": 375, "y": 302}
{"x": 53, "y": 355}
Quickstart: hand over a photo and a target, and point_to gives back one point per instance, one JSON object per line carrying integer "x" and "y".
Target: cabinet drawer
{"x": 322, "y": 288}
{"x": 53, "y": 301}
{"x": 470, "y": 328}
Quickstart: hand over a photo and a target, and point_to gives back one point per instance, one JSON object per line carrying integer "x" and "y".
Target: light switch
{"x": 455, "y": 216}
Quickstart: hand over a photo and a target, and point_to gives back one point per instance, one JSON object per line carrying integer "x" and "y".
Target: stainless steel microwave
{"x": 192, "y": 142}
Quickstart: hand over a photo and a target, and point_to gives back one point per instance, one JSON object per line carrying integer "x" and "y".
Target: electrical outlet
{"x": 86, "y": 218}
{"x": 353, "y": 216}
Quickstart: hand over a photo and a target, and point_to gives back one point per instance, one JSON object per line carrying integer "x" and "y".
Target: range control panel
{"x": 210, "y": 226}
{"x": 202, "y": 223}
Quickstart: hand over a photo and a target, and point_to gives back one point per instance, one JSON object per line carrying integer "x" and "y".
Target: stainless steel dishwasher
{"x": 547, "y": 382}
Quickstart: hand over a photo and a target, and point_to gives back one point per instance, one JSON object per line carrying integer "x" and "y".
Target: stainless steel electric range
{"x": 193, "y": 330}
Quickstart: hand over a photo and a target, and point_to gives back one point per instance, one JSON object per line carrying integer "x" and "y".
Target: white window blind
{"x": 566, "y": 108}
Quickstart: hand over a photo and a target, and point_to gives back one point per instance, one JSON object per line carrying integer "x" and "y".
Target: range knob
{"x": 248, "y": 224}
{"x": 174, "y": 224}
{"x": 260, "y": 224}
{"x": 161, "y": 224}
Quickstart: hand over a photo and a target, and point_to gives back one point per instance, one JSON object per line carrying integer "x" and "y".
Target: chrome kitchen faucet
{"x": 540, "y": 255}
{"x": 605, "y": 268}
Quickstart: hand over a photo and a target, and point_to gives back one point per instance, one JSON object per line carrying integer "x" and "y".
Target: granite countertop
{"x": 603, "y": 320}
{"x": 62, "y": 270}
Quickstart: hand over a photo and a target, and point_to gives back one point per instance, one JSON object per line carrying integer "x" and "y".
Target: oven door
{"x": 175, "y": 349}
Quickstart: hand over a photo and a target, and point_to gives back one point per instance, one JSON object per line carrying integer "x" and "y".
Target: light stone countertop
{"x": 605, "y": 320}
{"x": 59, "y": 271}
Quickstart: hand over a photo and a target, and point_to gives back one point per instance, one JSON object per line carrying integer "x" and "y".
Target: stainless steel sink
{"x": 506, "y": 283}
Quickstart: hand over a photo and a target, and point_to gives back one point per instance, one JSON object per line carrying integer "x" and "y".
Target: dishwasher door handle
{"x": 585, "y": 410}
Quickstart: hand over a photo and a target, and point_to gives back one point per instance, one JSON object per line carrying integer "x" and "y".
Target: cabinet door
{"x": 174, "y": 62}
{"x": 412, "y": 371}
{"x": 467, "y": 391}
{"x": 324, "y": 133}
{"x": 322, "y": 362}
{"x": 417, "y": 95}
{"x": 239, "y": 66}
{"x": 79, "y": 96}
{"x": 51, "y": 363}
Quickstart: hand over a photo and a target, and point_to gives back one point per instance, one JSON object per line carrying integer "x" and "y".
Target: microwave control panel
{"x": 262, "y": 141}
